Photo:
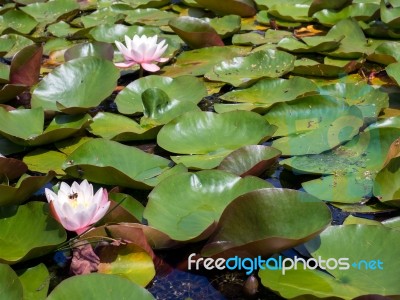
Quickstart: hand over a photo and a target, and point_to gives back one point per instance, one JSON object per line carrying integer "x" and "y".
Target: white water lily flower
{"x": 142, "y": 50}
{"x": 75, "y": 206}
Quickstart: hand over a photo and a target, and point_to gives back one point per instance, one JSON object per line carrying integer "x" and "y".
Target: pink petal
{"x": 81, "y": 230}
{"x": 162, "y": 59}
{"x": 50, "y": 195}
{"x": 150, "y": 67}
{"x": 125, "y": 64}
{"x": 159, "y": 51}
{"x": 100, "y": 213}
{"x": 125, "y": 51}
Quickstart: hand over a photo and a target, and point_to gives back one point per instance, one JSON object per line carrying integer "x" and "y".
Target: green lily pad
{"x": 387, "y": 183}
{"x": 97, "y": 286}
{"x": 305, "y": 114}
{"x": 250, "y": 160}
{"x": 63, "y": 29}
{"x": 120, "y": 128}
{"x": 243, "y": 71}
{"x": 76, "y": 85}
{"x": 14, "y": 43}
{"x": 129, "y": 100}
{"x": 318, "y": 5}
{"x": 43, "y": 161}
{"x": 309, "y": 44}
{"x": 290, "y": 12}
{"x": 351, "y": 168}
{"x": 263, "y": 17}
{"x": 390, "y": 15}
{"x": 309, "y": 67}
{"x": 364, "y": 243}
{"x": 23, "y": 189}
{"x": 204, "y": 133}
{"x": 35, "y": 282}
{"x": 98, "y": 49}
{"x": 324, "y": 137}
{"x": 267, "y": 92}
{"x": 130, "y": 167}
{"x": 15, "y": 126}
{"x": 243, "y": 8}
{"x": 159, "y": 109}
{"x": 129, "y": 261}
{"x": 200, "y": 61}
{"x": 4, "y": 73}
{"x": 10, "y": 286}
{"x": 191, "y": 203}
{"x": 149, "y": 16}
{"x": 267, "y": 221}
{"x": 28, "y": 231}
{"x": 353, "y": 43}
{"x": 106, "y": 15}
{"x": 195, "y": 32}
{"x": 357, "y": 11}
{"x": 249, "y": 39}
{"x": 368, "y": 99}
{"x": 226, "y": 26}
{"x": 128, "y": 210}
{"x": 50, "y": 11}
{"x": 10, "y": 91}
{"x": 393, "y": 71}
{"x": 17, "y": 21}
{"x": 146, "y": 3}
{"x": 109, "y": 33}
{"x": 386, "y": 53}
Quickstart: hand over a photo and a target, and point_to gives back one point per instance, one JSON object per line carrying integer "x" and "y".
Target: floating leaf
{"x": 205, "y": 132}
{"x": 17, "y": 21}
{"x": 23, "y": 189}
{"x": 120, "y": 128}
{"x": 129, "y": 100}
{"x": 25, "y": 66}
{"x": 195, "y": 32}
{"x": 15, "y": 128}
{"x": 393, "y": 71}
{"x": 369, "y": 100}
{"x": 200, "y": 61}
{"x": 131, "y": 167}
{"x": 28, "y": 231}
{"x": 76, "y": 85}
{"x": 43, "y": 161}
{"x": 97, "y": 286}
{"x": 243, "y": 71}
{"x": 191, "y": 203}
{"x": 250, "y": 160}
{"x": 270, "y": 91}
{"x": 267, "y": 221}
{"x": 318, "y": 5}
{"x": 364, "y": 243}
{"x": 10, "y": 286}
{"x": 50, "y": 11}
{"x": 387, "y": 183}
{"x": 11, "y": 168}
{"x": 309, "y": 67}
{"x": 149, "y": 16}
{"x": 109, "y": 33}
{"x": 290, "y": 12}
{"x": 243, "y": 8}
{"x": 128, "y": 261}
{"x": 35, "y": 282}
{"x": 98, "y": 49}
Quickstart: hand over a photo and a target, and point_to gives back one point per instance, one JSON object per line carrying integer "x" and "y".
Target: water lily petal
{"x": 162, "y": 59}
{"x": 87, "y": 190}
{"x": 150, "y": 67}
{"x": 125, "y": 51}
{"x": 125, "y": 64}
{"x": 50, "y": 195}
{"x": 100, "y": 213}
{"x": 128, "y": 43}
{"x": 159, "y": 51}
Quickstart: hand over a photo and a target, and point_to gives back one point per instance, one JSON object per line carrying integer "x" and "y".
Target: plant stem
{"x": 140, "y": 72}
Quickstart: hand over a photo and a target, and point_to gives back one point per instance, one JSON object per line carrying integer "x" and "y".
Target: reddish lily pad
{"x": 267, "y": 221}
{"x": 250, "y": 160}
{"x": 195, "y": 32}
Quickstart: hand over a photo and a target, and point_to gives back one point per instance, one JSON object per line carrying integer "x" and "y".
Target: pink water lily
{"x": 142, "y": 50}
{"x": 75, "y": 206}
